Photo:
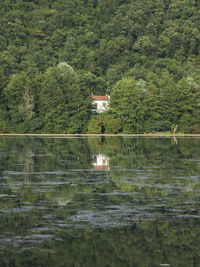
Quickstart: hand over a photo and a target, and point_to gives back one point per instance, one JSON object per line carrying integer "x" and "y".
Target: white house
{"x": 101, "y": 102}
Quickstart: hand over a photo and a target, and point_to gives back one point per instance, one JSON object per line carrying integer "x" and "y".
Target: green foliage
{"x": 169, "y": 103}
{"x": 3, "y": 126}
{"x": 185, "y": 104}
{"x": 105, "y": 42}
{"x": 104, "y": 123}
{"x": 160, "y": 102}
{"x": 27, "y": 106}
{"x": 112, "y": 124}
{"x": 64, "y": 107}
{"x": 95, "y": 125}
{"x": 126, "y": 103}
{"x": 15, "y": 103}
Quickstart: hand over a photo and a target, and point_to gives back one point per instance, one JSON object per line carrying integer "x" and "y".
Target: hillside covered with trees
{"x": 54, "y": 54}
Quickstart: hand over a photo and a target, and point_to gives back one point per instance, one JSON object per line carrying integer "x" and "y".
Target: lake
{"x": 99, "y": 201}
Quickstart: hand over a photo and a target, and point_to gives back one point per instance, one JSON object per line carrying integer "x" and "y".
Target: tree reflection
{"x": 141, "y": 208}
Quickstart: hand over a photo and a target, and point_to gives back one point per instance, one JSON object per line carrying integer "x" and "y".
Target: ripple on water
{"x": 56, "y": 196}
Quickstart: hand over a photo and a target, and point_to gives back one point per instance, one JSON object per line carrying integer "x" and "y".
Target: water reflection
{"x": 100, "y": 162}
{"x": 94, "y": 197}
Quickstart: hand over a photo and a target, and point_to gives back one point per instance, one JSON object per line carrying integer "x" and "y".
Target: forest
{"x": 55, "y": 54}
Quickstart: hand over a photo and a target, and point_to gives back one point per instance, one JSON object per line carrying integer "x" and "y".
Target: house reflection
{"x": 100, "y": 162}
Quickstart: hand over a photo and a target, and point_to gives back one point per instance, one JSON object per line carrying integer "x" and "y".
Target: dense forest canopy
{"x": 145, "y": 53}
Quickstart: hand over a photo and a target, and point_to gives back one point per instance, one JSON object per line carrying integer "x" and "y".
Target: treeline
{"x": 157, "y": 104}
{"x": 54, "y": 54}
{"x": 54, "y": 102}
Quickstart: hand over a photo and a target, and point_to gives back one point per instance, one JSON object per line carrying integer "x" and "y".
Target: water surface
{"x": 114, "y": 201}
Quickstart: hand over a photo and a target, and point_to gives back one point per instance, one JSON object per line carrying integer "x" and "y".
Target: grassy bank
{"x": 117, "y": 135}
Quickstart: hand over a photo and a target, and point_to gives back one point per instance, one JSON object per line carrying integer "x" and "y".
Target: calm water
{"x": 99, "y": 201}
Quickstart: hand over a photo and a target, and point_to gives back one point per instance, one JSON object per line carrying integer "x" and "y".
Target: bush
{"x": 3, "y": 127}
{"x": 193, "y": 129}
{"x": 95, "y": 125}
{"x": 104, "y": 123}
{"x": 112, "y": 125}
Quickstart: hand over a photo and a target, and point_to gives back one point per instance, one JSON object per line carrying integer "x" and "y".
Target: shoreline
{"x": 103, "y": 135}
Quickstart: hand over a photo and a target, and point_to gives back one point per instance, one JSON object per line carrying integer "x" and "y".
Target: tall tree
{"x": 160, "y": 103}
{"x": 64, "y": 105}
{"x": 186, "y": 103}
{"x": 126, "y": 103}
{"x": 18, "y": 105}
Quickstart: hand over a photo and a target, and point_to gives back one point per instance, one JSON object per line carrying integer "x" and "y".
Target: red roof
{"x": 100, "y": 97}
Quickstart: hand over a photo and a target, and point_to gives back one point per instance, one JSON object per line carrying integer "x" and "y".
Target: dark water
{"x": 99, "y": 201}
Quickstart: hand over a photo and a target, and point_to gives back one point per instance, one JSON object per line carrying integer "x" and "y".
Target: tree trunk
{"x": 174, "y": 131}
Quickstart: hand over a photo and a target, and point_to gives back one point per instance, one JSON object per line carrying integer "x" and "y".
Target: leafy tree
{"x": 160, "y": 103}
{"x": 19, "y": 103}
{"x": 126, "y": 103}
{"x": 64, "y": 107}
{"x": 185, "y": 104}
{"x": 27, "y": 106}
{"x": 105, "y": 122}
{"x": 96, "y": 125}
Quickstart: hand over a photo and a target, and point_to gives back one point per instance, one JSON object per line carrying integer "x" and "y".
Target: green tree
{"x": 160, "y": 103}
{"x": 18, "y": 101}
{"x": 105, "y": 122}
{"x": 186, "y": 104}
{"x": 27, "y": 106}
{"x": 64, "y": 105}
{"x": 126, "y": 104}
